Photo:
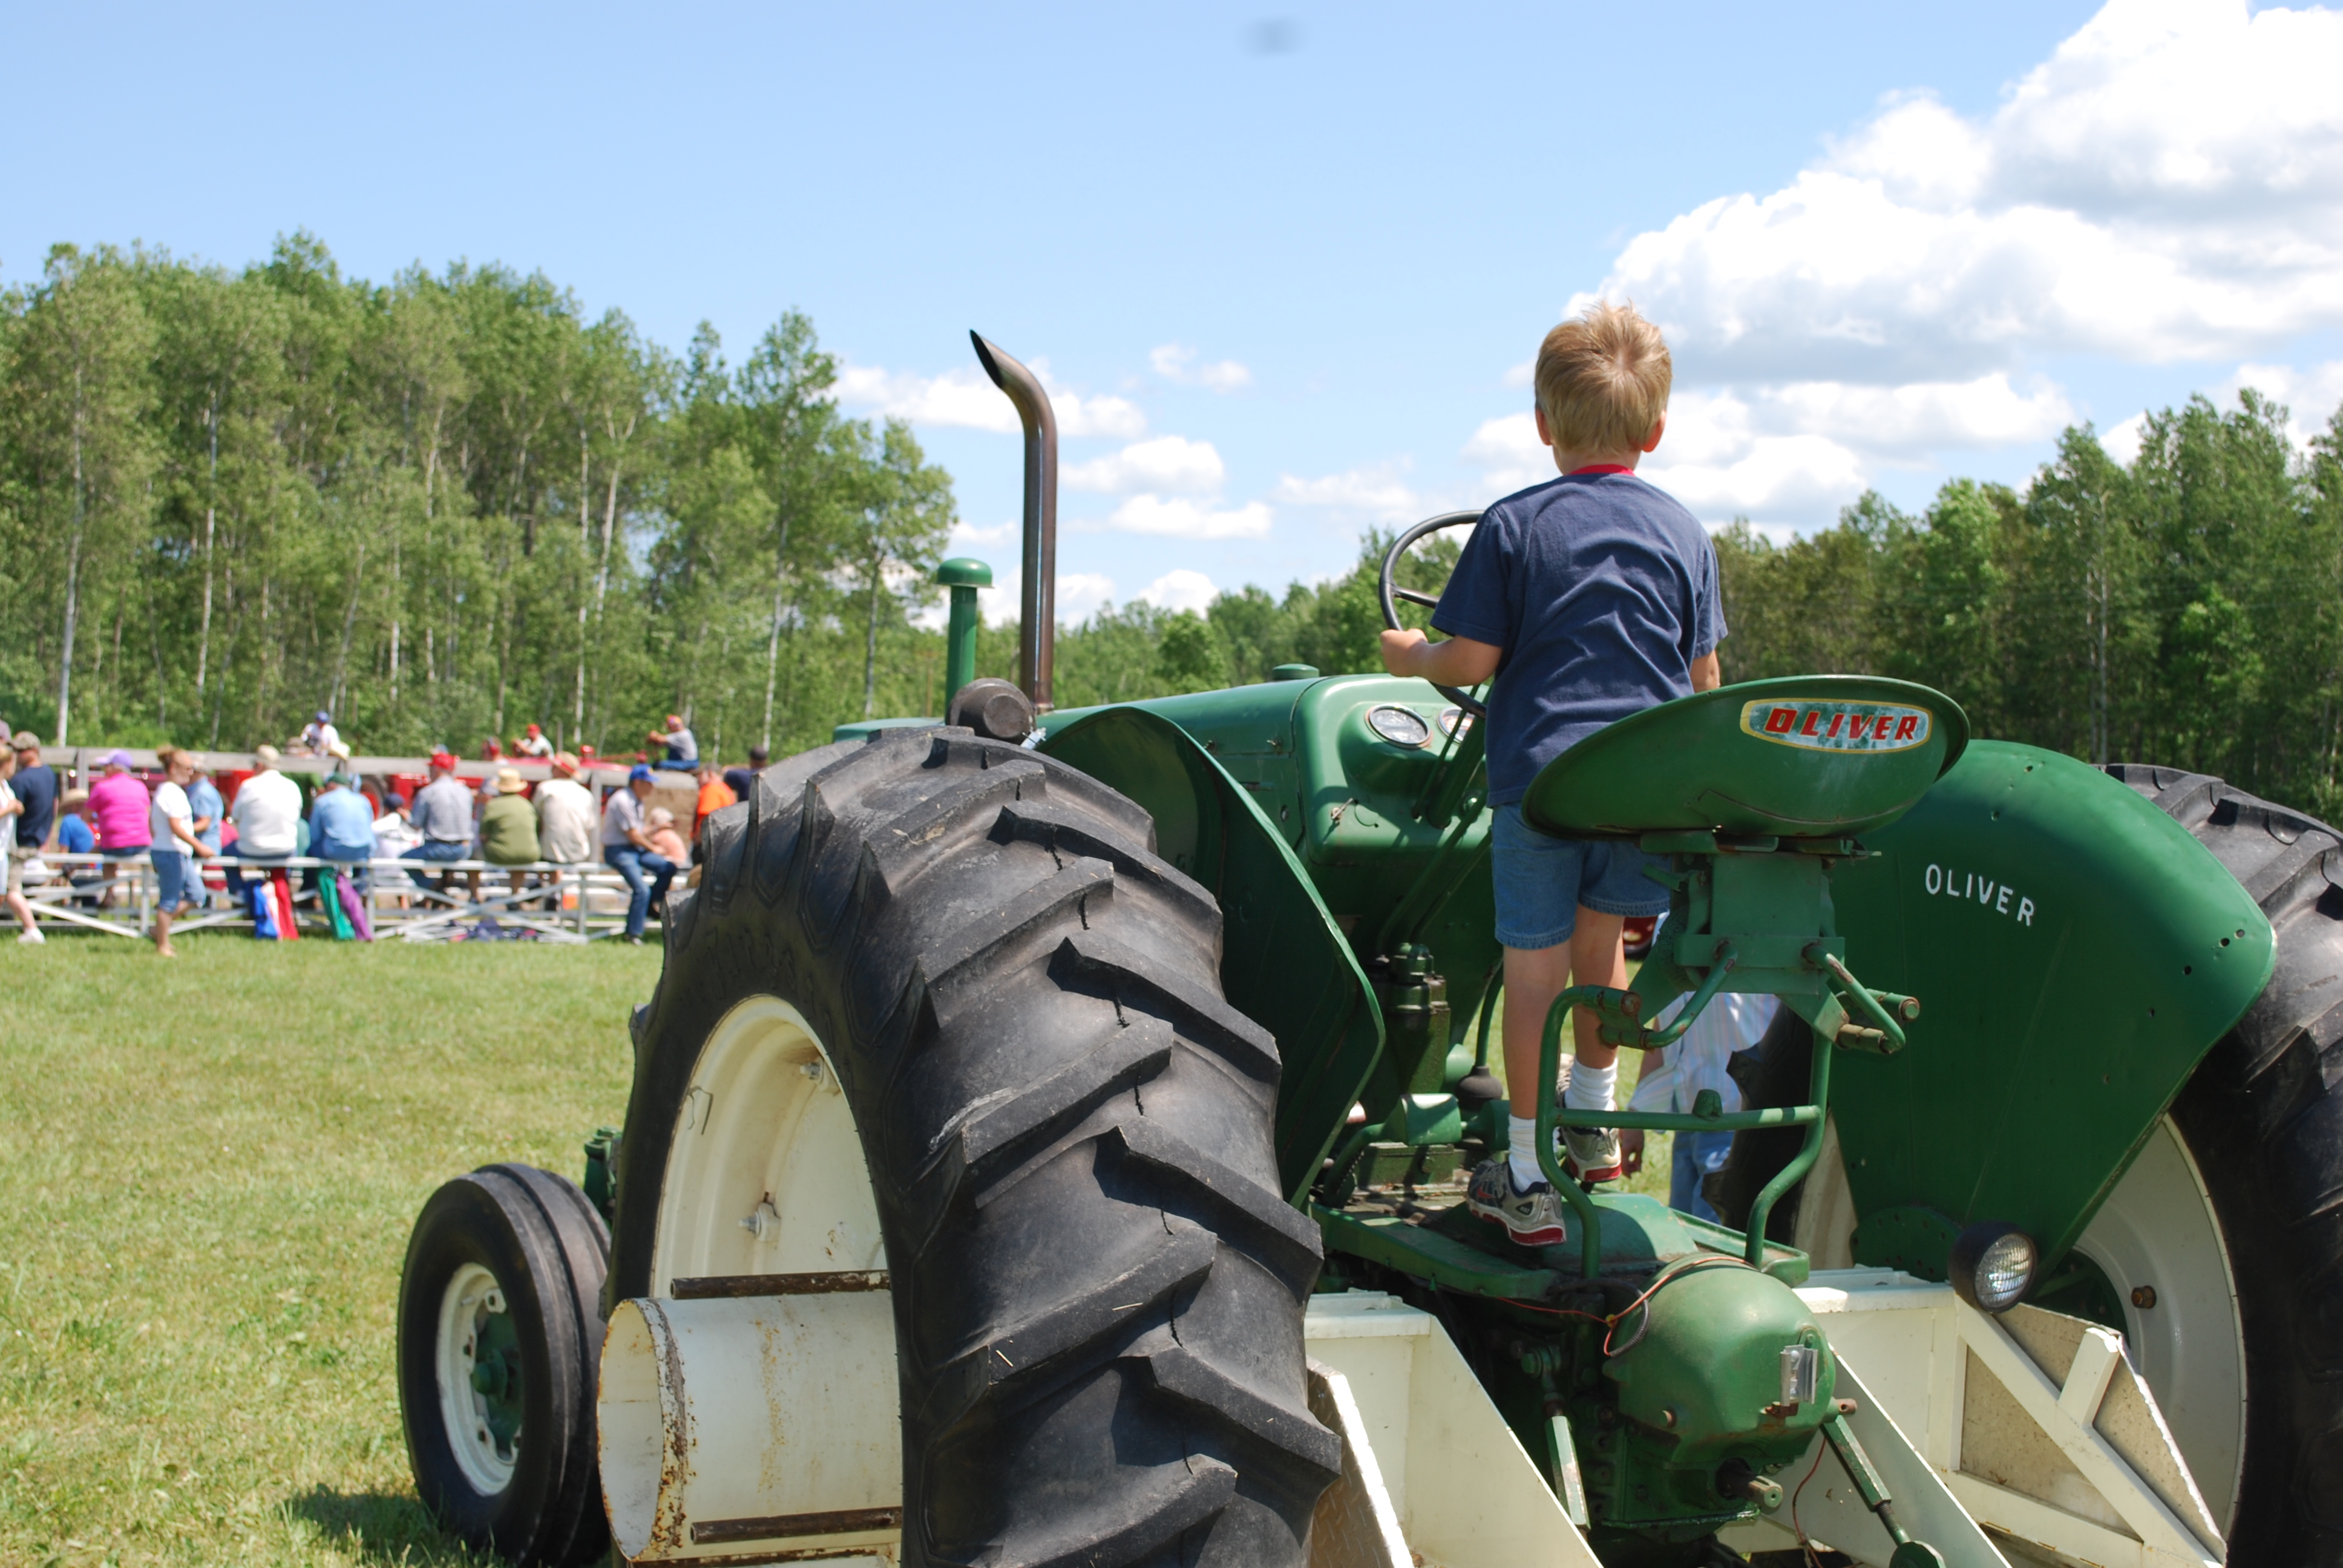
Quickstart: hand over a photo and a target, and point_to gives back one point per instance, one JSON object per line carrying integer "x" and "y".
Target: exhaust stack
{"x": 1038, "y": 592}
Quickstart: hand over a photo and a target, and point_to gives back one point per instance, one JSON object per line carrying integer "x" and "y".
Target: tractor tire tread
{"x": 1021, "y": 1001}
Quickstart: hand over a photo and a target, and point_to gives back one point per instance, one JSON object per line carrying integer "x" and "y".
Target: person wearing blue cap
{"x": 319, "y": 736}
{"x": 626, "y": 848}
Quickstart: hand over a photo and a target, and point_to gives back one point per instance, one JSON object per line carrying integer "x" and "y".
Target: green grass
{"x": 210, "y": 1167}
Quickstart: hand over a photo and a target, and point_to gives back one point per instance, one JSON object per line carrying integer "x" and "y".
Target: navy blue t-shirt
{"x": 1600, "y": 590}
{"x": 36, "y": 786}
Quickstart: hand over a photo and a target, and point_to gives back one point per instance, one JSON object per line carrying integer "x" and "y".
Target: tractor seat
{"x": 1798, "y": 756}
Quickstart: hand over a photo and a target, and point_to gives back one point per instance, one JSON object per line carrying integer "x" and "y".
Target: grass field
{"x": 210, "y": 1167}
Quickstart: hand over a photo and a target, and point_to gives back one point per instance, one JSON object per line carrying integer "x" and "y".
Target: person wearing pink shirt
{"x": 120, "y": 808}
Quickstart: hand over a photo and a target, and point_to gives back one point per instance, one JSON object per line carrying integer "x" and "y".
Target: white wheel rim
{"x": 2158, "y": 1229}
{"x": 766, "y": 1173}
{"x": 471, "y": 1298}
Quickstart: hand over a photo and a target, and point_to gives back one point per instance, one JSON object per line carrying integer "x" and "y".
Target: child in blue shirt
{"x": 1588, "y": 597}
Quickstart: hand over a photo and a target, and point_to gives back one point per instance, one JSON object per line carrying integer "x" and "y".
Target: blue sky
{"x": 1285, "y": 266}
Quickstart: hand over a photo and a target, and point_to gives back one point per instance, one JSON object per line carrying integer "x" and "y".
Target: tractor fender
{"x": 1284, "y": 962}
{"x": 2076, "y": 953}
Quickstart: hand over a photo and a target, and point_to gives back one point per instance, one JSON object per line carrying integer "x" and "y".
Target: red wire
{"x": 1805, "y": 1545}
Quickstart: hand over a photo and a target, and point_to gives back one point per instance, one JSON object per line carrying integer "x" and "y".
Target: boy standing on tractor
{"x": 1589, "y": 598}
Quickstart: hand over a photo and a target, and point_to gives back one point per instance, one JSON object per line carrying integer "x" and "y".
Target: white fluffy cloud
{"x": 2167, "y": 185}
{"x": 969, "y": 400}
{"x": 1181, "y": 590}
{"x": 1176, "y": 362}
{"x": 1799, "y": 450}
{"x": 1170, "y": 463}
{"x": 1378, "y": 492}
{"x": 1179, "y": 518}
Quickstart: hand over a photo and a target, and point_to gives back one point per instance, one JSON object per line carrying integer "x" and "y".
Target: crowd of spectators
{"x": 177, "y": 815}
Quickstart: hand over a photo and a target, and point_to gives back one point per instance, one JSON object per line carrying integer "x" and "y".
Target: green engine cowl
{"x": 1705, "y": 1413}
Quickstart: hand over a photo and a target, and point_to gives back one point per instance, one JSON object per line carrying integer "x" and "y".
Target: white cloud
{"x": 1177, "y": 362}
{"x": 2169, "y": 185}
{"x": 967, "y": 533}
{"x": 1509, "y": 454}
{"x": 2311, "y": 397}
{"x": 1180, "y": 518}
{"x": 1378, "y": 491}
{"x": 1081, "y": 595}
{"x": 968, "y": 399}
{"x": 1181, "y": 590}
{"x": 2122, "y": 441}
{"x": 1166, "y": 463}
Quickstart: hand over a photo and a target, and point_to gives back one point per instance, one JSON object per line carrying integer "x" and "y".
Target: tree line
{"x": 2185, "y": 608}
{"x": 450, "y": 505}
{"x": 441, "y": 508}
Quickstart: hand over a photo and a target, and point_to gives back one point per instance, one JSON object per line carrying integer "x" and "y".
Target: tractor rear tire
{"x": 524, "y": 1245}
{"x": 2263, "y": 1119}
{"x": 1064, "y": 1129}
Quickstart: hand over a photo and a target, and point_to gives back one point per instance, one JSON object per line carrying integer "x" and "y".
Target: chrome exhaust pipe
{"x": 1037, "y": 629}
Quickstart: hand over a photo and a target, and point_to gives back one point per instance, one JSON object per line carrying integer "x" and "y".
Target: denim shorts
{"x": 170, "y": 879}
{"x": 1542, "y": 880}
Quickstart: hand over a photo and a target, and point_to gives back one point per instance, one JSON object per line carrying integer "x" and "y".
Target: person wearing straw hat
{"x": 508, "y": 827}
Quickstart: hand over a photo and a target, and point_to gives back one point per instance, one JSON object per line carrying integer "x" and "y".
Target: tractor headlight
{"x": 1992, "y": 1266}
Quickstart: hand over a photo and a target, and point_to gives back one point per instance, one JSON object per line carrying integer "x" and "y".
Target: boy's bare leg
{"x": 1596, "y": 957}
{"x": 1535, "y": 976}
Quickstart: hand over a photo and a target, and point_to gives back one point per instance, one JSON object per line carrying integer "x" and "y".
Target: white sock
{"x": 1590, "y": 1087}
{"x": 1521, "y": 1135}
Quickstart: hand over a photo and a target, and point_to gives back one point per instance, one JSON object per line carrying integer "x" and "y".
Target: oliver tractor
{"x": 1048, "y": 1135}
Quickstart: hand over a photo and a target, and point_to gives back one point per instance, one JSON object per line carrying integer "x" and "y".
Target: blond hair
{"x": 1602, "y": 380}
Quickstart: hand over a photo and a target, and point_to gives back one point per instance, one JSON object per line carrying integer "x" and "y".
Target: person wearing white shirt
{"x": 267, "y": 812}
{"x": 533, "y": 745}
{"x": 394, "y": 835}
{"x": 176, "y": 847}
{"x": 1673, "y": 1079}
{"x": 319, "y": 736}
{"x": 565, "y": 817}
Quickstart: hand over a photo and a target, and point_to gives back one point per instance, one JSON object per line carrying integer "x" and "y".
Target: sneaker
{"x": 1532, "y": 1216}
{"x": 33, "y": 936}
{"x": 1593, "y": 1152}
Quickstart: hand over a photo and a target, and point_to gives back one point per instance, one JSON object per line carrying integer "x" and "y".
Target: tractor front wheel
{"x": 499, "y": 1334}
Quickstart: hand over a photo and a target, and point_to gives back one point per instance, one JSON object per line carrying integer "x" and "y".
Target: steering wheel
{"x": 1392, "y": 593}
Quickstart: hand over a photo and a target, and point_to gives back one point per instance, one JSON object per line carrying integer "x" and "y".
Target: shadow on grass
{"x": 385, "y": 1529}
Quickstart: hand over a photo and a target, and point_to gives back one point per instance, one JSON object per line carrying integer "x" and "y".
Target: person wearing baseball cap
{"x": 35, "y": 784}
{"x": 118, "y": 804}
{"x": 533, "y": 745}
{"x": 442, "y": 813}
{"x": 626, "y": 848}
{"x": 319, "y": 736}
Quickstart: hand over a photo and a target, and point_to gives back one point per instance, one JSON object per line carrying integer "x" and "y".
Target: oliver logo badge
{"x": 1835, "y": 726}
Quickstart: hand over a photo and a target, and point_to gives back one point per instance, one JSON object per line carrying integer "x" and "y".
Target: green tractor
{"x": 1048, "y": 1135}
